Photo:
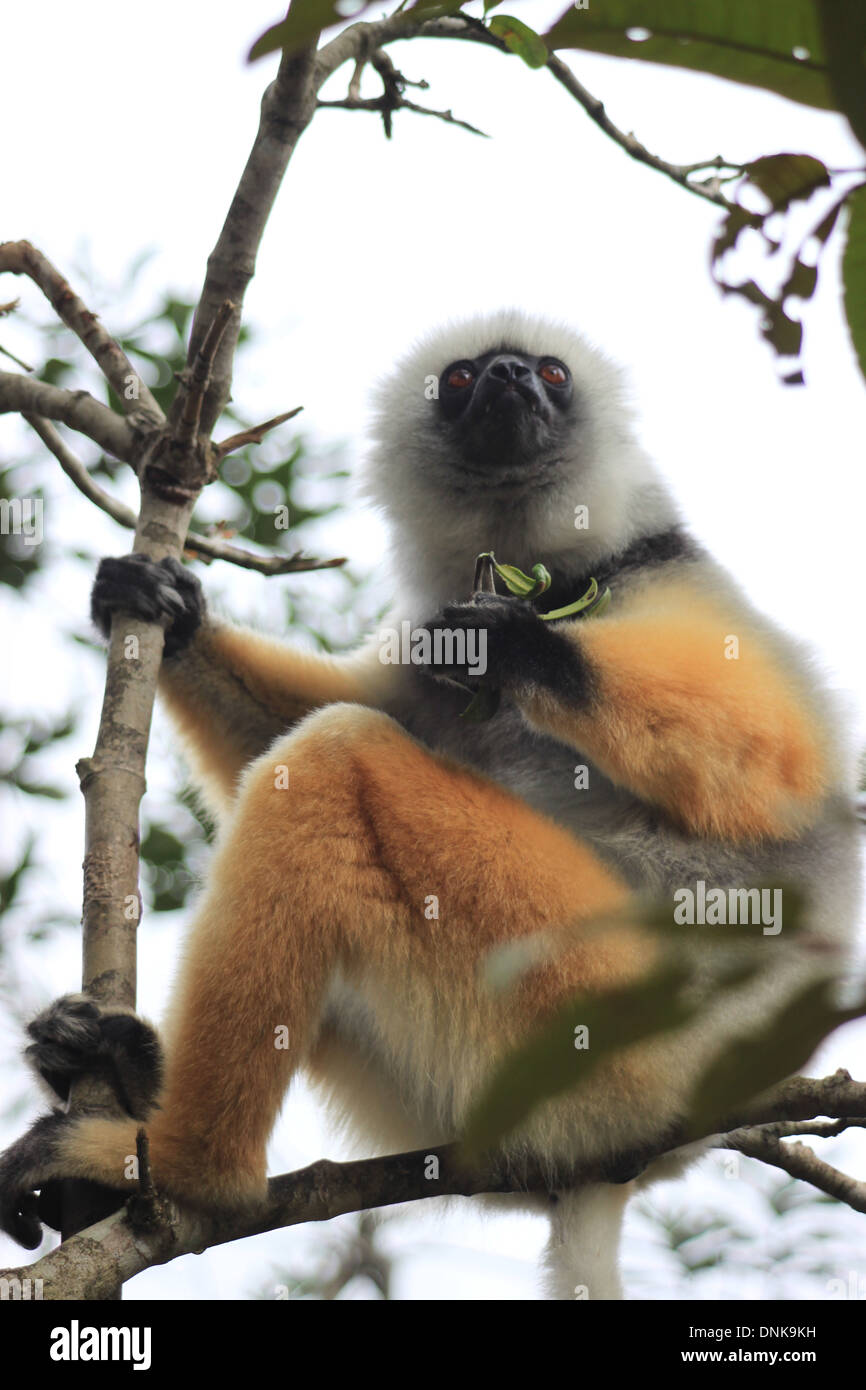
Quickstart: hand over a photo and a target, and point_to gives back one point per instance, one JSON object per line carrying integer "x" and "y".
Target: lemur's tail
{"x": 582, "y": 1254}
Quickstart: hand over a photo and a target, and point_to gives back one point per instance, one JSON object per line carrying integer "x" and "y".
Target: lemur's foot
{"x": 75, "y": 1036}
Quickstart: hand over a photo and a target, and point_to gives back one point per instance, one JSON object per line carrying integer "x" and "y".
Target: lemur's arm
{"x": 230, "y": 690}
{"x": 725, "y": 745}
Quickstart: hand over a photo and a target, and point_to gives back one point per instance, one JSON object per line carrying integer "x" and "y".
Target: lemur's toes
{"x": 19, "y": 1219}
{"x": 24, "y": 1168}
{"x": 75, "y": 1037}
{"x": 66, "y": 1041}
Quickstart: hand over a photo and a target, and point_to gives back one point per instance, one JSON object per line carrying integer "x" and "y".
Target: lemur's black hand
{"x": 152, "y": 590}
{"x": 501, "y": 642}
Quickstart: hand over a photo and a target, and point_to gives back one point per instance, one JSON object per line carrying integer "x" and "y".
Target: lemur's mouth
{"x": 511, "y": 396}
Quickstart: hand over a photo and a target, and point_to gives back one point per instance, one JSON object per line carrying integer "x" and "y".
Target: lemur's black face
{"x": 507, "y": 407}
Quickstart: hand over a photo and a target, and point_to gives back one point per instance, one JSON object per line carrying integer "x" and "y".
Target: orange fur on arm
{"x": 728, "y": 744}
{"x": 234, "y": 691}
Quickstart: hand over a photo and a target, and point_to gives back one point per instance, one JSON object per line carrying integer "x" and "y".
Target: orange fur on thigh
{"x": 341, "y": 835}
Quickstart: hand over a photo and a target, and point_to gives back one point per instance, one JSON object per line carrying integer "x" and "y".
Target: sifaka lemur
{"x": 676, "y": 739}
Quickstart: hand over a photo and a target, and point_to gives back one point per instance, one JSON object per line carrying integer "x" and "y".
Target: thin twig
{"x": 817, "y": 1129}
{"x": 460, "y": 27}
{"x": 380, "y": 105}
{"x": 594, "y": 108}
{"x": 195, "y": 381}
{"x": 20, "y": 258}
{"x": 25, "y": 366}
{"x": 76, "y": 471}
{"x": 801, "y": 1162}
{"x": 255, "y": 434}
{"x": 288, "y": 106}
{"x": 207, "y": 546}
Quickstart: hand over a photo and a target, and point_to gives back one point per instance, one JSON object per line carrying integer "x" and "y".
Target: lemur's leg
{"x": 341, "y": 834}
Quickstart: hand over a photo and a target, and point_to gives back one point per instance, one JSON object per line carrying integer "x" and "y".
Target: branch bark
{"x": 288, "y": 106}
{"x": 799, "y": 1161}
{"x": 150, "y": 1231}
{"x": 77, "y": 409}
{"x": 209, "y": 547}
{"x": 20, "y": 258}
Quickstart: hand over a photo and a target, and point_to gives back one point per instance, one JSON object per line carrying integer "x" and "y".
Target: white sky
{"x": 126, "y": 129}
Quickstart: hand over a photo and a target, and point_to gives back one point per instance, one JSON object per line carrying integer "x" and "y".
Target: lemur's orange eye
{"x": 553, "y": 374}
{"x": 460, "y": 377}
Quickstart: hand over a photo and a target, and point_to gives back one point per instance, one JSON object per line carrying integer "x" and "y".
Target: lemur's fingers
{"x": 155, "y": 591}
{"x": 518, "y": 649}
{"x": 25, "y": 1168}
{"x": 75, "y": 1037}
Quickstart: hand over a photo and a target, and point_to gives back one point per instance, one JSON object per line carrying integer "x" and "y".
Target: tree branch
{"x": 678, "y": 173}
{"x": 212, "y": 548}
{"x": 473, "y": 31}
{"x": 151, "y": 1231}
{"x": 800, "y": 1162}
{"x": 77, "y": 409}
{"x": 194, "y": 382}
{"x": 383, "y": 105}
{"x": 256, "y": 433}
{"x": 288, "y": 106}
{"x": 21, "y": 258}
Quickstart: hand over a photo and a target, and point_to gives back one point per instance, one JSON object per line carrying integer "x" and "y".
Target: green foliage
{"x": 810, "y": 51}
{"x": 520, "y": 39}
{"x": 163, "y": 857}
{"x": 31, "y": 739}
{"x": 20, "y": 558}
{"x": 10, "y": 886}
{"x": 24, "y": 742}
{"x": 551, "y": 1062}
{"x": 777, "y": 44}
{"x": 303, "y": 24}
{"x": 854, "y": 273}
{"x": 307, "y": 18}
{"x": 752, "y": 1063}
{"x": 782, "y": 179}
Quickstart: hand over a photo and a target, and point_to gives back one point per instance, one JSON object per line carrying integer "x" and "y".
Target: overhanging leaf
{"x": 750, "y": 1065}
{"x": 305, "y": 20}
{"x": 785, "y": 178}
{"x": 777, "y": 44}
{"x": 854, "y": 274}
{"x": 549, "y": 1063}
{"x": 520, "y": 39}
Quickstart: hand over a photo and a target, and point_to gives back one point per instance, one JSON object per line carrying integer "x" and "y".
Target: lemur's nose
{"x": 508, "y": 369}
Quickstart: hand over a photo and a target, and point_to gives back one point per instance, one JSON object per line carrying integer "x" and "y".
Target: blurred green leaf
{"x": 520, "y": 39}
{"x": 550, "y": 1063}
{"x": 752, "y": 1063}
{"x": 854, "y": 273}
{"x": 777, "y": 44}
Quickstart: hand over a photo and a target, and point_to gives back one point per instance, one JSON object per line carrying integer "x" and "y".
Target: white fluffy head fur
{"x": 441, "y": 519}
